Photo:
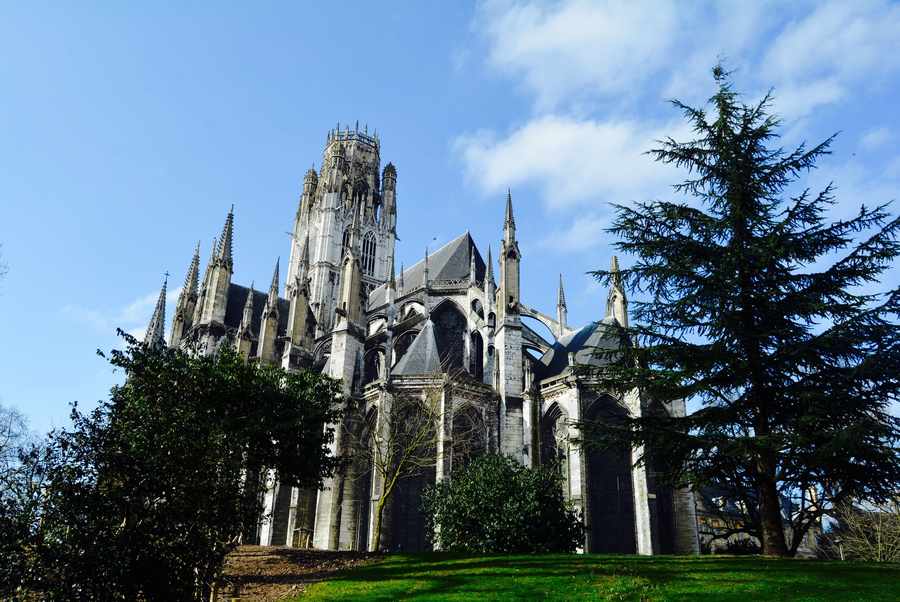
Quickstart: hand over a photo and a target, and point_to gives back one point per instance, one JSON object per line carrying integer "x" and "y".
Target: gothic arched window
{"x": 368, "y": 254}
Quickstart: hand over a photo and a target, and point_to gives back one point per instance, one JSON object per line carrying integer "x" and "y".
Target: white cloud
{"x": 793, "y": 102}
{"x": 848, "y": 40}
{"x": 837, "y": 47}
{"x": 875, "y": 138}
{"x": 596, "y": 72}
{"x": 573, "y": 161}
{"x": 578, "y": 48}
{"x": 583, "y": 233}
{"x": 132, "y": 317}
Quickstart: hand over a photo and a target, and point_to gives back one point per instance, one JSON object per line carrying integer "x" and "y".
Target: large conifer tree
{"x": 767, "y": 317}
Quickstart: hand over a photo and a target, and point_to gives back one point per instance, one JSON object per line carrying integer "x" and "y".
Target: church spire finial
{"x": 156, "y": 328}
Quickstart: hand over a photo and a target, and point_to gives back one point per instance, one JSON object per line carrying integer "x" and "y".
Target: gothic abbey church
{"x": 346, "y": 311}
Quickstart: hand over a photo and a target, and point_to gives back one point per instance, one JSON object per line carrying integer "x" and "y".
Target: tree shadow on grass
{"x": 624, "y": 577}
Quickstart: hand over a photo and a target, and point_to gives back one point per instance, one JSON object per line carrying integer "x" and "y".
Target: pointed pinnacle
{"x": 192, "y": 279}
{"x": 247, "y": 316}
{"x": 156, "y": 328}
{"x": 490, "y": 267}
{"x": 392, "y": 283}
{"x": 401, "y": 276}
{"x": 509, "y": 210}
{"x": 273, "y": 288}
{"x": 561, "y": 295}
{"x": 223, "y": 253}
{"x": 616, "y": 277}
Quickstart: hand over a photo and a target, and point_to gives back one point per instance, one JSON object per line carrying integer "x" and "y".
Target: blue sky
{"x": 127, "y": 130}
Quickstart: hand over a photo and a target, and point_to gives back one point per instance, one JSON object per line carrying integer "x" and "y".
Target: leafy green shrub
{"x": 146, "y": 494}
{"x": 497, "y": 505}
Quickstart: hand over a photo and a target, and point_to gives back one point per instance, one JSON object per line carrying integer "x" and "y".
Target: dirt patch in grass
{"x": 277, "y": 573}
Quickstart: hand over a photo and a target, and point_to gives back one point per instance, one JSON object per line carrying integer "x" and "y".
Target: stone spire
{"x": 510, "y": 258}
{"x": 156, "y": 328}
{"x": 489, "y": 277}
{"x": 561, "y": 294}
{"x": 561, "y": 310}
{"x": 616, "y": 301}
{"x": 223, "y": 252}
{"x": 392, "y": 282}
{"x": 509, "y": 222}
{"x": 401, "y": 277}
{"x": 268, "y": 330}
{"x": 192, "y": 279}
{"x": 187, "y": 301}
{"x": 490, "y": 287}
{"x": 425, "y": 284}
{"x": 204, "y": 287}
{"x": 216, "y": 298}
{"x": 247, "y": 317}
{"x": 272, "y": 300}
{"x": 472, "y": 275}
{"x": 245, "y": 334}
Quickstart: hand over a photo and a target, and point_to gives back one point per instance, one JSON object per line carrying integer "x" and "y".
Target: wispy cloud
{"x": 585, "y": 232}
{"x": 572, "y": 160}
{"x": 876, "y": 138}
{"x": 132, "y": 317}
{"x": 577, "y": 49}
{"x": 593, "y": 69}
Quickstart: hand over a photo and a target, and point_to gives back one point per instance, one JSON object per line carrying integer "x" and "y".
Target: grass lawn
{"x": 606, "y": 577}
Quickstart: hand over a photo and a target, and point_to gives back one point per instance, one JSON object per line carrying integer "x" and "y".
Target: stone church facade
{"x": 346, "y": 311}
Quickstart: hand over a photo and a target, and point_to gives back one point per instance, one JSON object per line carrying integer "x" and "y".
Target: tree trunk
{"x": 376, "y": 530}
{"x": 771, "y": 527}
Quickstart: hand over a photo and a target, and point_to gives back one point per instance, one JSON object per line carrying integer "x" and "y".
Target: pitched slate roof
{"x": 596, "y": 336}
{"x": 234, "y": 309}
{"x": 422, "y": 356}
{"x": 450, "y": 262}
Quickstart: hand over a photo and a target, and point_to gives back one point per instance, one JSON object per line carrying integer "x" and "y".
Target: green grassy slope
{"x": 602, "y": 577}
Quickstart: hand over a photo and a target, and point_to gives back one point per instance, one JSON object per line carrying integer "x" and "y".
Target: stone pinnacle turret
{"x": 156, "y": 328}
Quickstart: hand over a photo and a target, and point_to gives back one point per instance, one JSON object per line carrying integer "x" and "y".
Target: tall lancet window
{"x": 368, "y": 254}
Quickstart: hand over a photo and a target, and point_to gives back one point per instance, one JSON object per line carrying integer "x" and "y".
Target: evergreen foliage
{"x": 146, "y": 494}
{"x": 495, "y": 504}
{"x": 757, "y": 307}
